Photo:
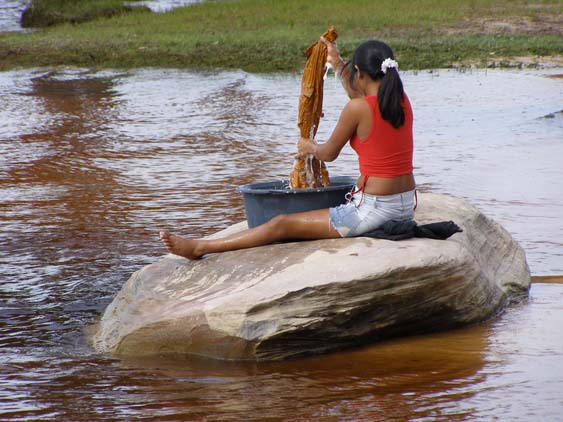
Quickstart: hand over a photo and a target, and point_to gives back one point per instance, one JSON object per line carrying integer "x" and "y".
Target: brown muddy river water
{"x": 94, "y": 164}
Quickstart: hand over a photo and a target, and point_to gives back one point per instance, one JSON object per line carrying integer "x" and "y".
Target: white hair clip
{"x": 388, "y": 64}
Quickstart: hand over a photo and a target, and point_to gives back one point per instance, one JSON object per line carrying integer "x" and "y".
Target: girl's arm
{"x": 340, "y": 68}
{"x": 344, "y": 130}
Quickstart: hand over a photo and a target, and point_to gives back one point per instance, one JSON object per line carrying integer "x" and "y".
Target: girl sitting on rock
{"x": 377, "y": 121}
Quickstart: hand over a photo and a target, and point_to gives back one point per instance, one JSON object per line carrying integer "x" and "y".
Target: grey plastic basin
{"x": 264, "y": 200}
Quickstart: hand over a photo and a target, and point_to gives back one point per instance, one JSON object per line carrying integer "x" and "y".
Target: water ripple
{"x": 94, "y": 164}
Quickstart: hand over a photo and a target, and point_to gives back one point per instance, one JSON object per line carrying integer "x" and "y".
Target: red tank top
{"x": 386, "y": 152}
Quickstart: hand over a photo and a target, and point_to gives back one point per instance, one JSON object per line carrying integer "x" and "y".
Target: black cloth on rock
{"x": 406, "y": 229}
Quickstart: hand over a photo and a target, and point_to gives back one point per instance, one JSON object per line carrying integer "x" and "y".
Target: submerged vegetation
{"x": 271, "y": 35}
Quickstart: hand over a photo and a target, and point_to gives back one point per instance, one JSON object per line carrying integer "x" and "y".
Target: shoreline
{"x": 263, "y": 38}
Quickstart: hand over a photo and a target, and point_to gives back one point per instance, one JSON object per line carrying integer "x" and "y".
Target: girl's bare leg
{"x": 305, "y": 225}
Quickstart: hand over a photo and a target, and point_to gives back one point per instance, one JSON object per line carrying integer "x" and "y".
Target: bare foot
{"x": 180, "y": 246}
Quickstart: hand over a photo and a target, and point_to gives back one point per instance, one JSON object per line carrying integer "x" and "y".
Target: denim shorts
{"x": 364, "y": 212}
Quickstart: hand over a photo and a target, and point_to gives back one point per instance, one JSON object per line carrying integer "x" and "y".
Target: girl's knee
{"x": 278, "y": 225}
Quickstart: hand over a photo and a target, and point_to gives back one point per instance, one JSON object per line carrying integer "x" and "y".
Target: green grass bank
{"x": 271, "y": 35}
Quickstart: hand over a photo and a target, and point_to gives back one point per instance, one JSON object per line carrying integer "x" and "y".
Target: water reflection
{"x": 93, "y": 164}
{"x": 10, "y": 13}
{"x": 377, "y": 384}
{"x": 166, "y": 5}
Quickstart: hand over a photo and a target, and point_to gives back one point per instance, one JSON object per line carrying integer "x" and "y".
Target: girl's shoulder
{"x": 363, "y": 105}
{"x": 358, "y": 104}
{"x": 357, "y": 110}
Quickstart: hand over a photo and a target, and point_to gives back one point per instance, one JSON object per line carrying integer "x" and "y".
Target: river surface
{"x": 166, "y": 5}
{"x": 10, "y": 14}
{"x": 94, "y": 164}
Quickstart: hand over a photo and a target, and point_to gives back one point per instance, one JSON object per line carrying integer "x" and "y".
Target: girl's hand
{"x": 333, "y": 55}
{"x": 305, "y": 147}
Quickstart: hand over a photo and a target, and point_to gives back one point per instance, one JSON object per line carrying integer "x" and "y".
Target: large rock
{"x": 291, "y": 299}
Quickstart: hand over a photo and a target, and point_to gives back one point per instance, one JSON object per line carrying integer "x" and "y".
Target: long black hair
{"x": 368, "y": 57}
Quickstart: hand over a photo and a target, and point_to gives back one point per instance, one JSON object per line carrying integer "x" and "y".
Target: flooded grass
{"x": 42, "y": 13}
{"x": 265, "y": 36}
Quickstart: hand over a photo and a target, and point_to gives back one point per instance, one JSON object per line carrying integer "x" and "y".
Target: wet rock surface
{"x": 286, "y": 300}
